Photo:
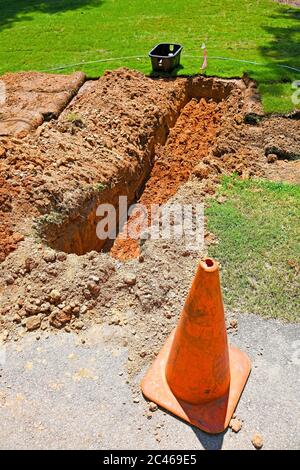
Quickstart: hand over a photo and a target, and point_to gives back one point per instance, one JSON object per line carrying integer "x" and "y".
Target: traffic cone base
{"x": 212, "y": 417}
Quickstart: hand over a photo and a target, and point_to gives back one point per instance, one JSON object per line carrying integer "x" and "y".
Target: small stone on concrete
{"x": 153, "y": 406}
{"x": 257, "y": 441}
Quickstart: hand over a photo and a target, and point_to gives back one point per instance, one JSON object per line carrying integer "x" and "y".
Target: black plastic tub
{"x": 165, "y": 57}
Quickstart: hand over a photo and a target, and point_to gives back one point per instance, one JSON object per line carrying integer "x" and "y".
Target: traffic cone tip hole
{"x": 209, "y": 264}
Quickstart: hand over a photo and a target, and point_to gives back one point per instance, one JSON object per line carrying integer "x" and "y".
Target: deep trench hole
{"x": 184, "y": 138}
{"x": 187, "y": 142}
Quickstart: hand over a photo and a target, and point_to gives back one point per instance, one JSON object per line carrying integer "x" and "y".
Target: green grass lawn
{"x": 258, "y": 229}
{"x": 39, "y": 35}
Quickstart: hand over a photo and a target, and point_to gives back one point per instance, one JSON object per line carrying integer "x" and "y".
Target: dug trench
{"x": 165, "y": 152}
{"x": 125, "y": 134}
{"x": 188, "y": 142}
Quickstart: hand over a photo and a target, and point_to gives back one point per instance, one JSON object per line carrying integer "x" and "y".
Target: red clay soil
{"x": 188, "y": 142}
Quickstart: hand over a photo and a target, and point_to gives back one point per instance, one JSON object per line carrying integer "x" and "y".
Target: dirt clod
{"x": 236, "y": 425}
{"x": 59, "y": 318}
{"x": 257, "y": 441}
{"x": 33, "y": 323}
{"x": 9, "y": 279}
{"x": 27, "y": 103}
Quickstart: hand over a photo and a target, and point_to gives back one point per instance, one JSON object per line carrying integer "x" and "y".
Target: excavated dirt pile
{"x": 32, "y": 98}
{"x": 152, "y": 140}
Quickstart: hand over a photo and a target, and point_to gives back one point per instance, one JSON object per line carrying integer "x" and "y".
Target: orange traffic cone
{"x": 196, "y": 376}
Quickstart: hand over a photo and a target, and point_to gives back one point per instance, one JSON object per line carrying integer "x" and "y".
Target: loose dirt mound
{"x": 189, "y": 132}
